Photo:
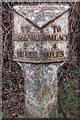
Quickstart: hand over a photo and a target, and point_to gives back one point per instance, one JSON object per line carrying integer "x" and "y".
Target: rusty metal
{"x": 40, "y": 36}
{"x": 44, "y": 25}
{"x": 36, "y": 42}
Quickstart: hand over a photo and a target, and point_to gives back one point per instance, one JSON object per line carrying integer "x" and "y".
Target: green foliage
{"x": 5, "y": 115}
{"x": 68, "y": 97}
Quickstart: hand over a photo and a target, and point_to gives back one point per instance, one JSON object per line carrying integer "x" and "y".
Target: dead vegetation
{"x": 13, "y": 103}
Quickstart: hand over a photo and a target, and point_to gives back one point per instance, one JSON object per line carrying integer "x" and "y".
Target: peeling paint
{"x": 37, "y": 39}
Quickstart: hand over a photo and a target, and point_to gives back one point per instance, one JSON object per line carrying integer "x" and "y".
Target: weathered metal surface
{"x": 41, "y": 89}
{"x": 40, "y": 33}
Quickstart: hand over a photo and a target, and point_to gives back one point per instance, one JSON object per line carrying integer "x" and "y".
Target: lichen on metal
{"x": 41, "y": 89}
{"x": 43, "y": 29}
{"x": 40, "y": 36}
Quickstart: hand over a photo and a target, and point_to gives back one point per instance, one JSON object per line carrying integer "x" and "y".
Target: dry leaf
{"x": 14, "y": 114}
